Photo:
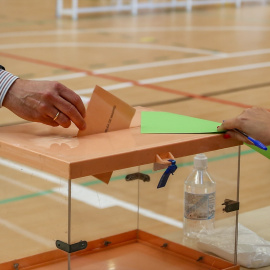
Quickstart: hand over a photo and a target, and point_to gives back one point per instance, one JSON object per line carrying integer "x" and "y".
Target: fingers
{"x": 229, "y": 124}
{"x": 69, "y": 113}
{"x": 237, "y": 136}
{"x": 58, "y": 111}
{"x": 61, "y": 119}
{"x": 49, "y": 122}
{"x": 72, "y": 98}
{"x": 71, "y": 107}
{"x": 56, "y": 116}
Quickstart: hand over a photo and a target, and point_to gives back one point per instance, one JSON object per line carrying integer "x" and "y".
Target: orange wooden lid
{"x": 59, "y": 151}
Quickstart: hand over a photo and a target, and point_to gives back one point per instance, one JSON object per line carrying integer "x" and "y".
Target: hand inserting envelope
{"x": 105, "y": 113}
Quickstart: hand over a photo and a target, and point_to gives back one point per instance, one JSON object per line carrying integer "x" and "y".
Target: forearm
{"x": 6, "y": 80}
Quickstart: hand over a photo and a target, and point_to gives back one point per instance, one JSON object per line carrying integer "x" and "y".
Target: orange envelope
{"x": 105, "y": 113}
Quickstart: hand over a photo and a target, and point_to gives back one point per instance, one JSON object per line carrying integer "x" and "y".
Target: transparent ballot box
{"x": 56, "y": 213}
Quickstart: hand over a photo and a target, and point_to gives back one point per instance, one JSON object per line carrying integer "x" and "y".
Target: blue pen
{"x": 255, "y": 142}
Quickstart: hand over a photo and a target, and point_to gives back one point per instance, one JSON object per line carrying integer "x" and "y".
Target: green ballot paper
{"x": 164, "y": 122}
{"x": 265, "y": 153}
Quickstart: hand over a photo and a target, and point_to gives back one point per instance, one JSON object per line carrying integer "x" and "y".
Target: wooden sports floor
{"x": 210, "y": 63}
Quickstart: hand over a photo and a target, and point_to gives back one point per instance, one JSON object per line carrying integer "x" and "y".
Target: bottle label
{"x": 200, "y": 206}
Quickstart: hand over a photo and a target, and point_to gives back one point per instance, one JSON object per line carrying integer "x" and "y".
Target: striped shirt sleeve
{"x": 6, "y": 80}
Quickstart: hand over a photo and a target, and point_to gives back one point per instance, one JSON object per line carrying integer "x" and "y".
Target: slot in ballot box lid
{"x": 60, "y": 152}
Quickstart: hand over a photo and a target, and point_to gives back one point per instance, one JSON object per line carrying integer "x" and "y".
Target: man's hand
{"x": 40, "y": 101}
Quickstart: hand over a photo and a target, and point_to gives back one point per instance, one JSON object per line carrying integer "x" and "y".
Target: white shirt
{"x": 6, "y": 80}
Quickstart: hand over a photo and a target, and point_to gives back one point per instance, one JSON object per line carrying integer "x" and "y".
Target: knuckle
{"x": 43, "y": 108}
{"x": 56, "y": 85}
{"x": 239, "y": 120}
{"x": 48, "y": 95}
{"x": 246, "y": 111}
{"x": 53, "y": 89}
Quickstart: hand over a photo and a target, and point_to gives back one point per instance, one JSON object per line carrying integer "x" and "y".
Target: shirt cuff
{"x": 6, "y": 80}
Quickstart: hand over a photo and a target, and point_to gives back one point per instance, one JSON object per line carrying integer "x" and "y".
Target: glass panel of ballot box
{"x": 33, "y": 215}
{"x": 131, "y": 224}
{"x": 48, "y": 222}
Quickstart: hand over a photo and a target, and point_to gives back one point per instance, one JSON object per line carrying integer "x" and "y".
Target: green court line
{"x": 119, "y": 177}
{"x": 27, "y": 196}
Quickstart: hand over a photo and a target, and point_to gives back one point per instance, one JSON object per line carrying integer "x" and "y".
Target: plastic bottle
{"x": 199, "y": 199}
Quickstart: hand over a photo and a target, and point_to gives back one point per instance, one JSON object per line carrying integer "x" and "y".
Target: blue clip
{"x": 170, "y": 170}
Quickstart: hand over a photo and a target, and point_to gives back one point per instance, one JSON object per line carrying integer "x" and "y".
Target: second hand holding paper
{"x": 164, "y": 122}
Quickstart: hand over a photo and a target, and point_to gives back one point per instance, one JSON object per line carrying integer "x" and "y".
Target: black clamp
{"x": 230, "y": 205}
{"x": 138, "y": 175}
{"x": 71, "y": 248}
{"x": 1, "y": 67}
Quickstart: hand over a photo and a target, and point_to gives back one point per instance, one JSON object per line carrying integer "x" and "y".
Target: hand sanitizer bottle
{"x": 199, "y": 199}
